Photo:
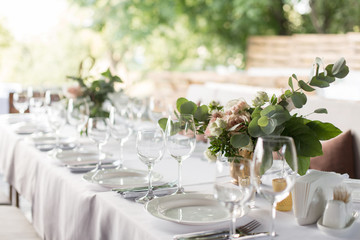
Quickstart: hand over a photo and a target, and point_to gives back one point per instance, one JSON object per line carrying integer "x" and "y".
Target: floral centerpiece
{"x": 233, "y": 129}
{"x": 96, "y": 89}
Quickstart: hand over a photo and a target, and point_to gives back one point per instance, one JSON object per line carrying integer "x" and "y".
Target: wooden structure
{"x": 299, "y": 51}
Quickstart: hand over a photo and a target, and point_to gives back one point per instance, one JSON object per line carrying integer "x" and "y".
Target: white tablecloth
{"x": 64, "y": 206}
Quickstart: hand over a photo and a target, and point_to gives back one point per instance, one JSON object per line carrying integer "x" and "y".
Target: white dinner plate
{"x": 122, "y": 178}
{"x": 189, "y": 209}
{"x": 25, "y": 128}
{"x": 338, "y": 232}
{"x": 75, "y": 158}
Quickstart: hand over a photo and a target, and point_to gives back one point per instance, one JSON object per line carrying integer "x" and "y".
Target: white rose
{"x": 209, "y": 156}
{"x": 216, "y": 128}
{"x": 230, "y": 104}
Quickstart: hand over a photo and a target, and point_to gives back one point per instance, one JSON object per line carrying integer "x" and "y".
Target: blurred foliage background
{"x": 159, "y": 35}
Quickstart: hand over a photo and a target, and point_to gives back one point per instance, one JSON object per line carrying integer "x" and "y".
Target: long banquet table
{"x": 64, "y": 206}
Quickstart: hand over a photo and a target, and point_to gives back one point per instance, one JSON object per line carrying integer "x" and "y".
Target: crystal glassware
{"x": 158, "y": 108}
{"x": 150, "y": 147}
{"x": 77, "y": 115}
{"x": 232, "y": 187}
{"x": 21, "y": 101}
{"x": 180, "y": 138}
{"x": 99, "y": 132}
{"x": 36, "y": 100}
{"x": 56, "y": 116}
{"x": 274, "y": 169}
{"x": 120, "y": 131}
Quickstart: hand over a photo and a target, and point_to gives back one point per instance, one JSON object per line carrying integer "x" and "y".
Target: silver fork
{"x": 247, "y": 228}
{"x": 219, "y": 234}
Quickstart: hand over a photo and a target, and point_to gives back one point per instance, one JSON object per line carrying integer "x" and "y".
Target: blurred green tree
{"x": 200, "y": 34}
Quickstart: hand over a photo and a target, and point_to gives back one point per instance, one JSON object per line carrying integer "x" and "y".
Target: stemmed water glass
{"x": 21, "y": 101}
{"x": 78, "y": 115}
{"x": 56, "y": 116}
{"x": 232, "y": 187}
{"x": 120, "y": 131}
{"x": 36, "y": 100}
{"x": 180, "y": 138}
{"x": 150, "y": 147}
{"x": 158, "y": 108}
{"x": 99, "y": 132}
{"x": 274, "y": 170}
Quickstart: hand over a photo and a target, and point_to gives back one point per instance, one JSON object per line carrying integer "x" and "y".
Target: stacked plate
{"x": 122, "y": 178}
{"x": 47, "y": 143}
{"x": 83, "y": 161}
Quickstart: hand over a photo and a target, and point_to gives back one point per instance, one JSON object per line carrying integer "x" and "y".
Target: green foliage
{"x": 271, "y": 119}
{"x": 184, "y": 106}
{"x": 206, "y": 33}
{"x": 97, "y": 90}
{"x": 239, "y": 140}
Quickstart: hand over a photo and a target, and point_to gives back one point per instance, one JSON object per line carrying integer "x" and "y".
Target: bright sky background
{"x": 29, "y": 18}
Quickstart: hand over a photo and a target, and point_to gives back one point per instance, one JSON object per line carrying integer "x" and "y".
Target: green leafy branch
{"x": 97, "y": 90}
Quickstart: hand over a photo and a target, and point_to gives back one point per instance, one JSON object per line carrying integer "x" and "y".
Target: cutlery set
{"x": 244, "y": 232}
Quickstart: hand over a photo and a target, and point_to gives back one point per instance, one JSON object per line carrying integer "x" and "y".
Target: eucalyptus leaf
{"x": 271, "y": 109}
{"x": 239, "y": 140}
{"x": 288, "y": 93}
{"x": 270, "y": 127}
{"x": 321, "y": 110}
{"x": 291, "y": 83}
{"x": 162, "y": 123}
{"x": 256, "y": 112}
{"x": 319, "y": 83}
{"x": 329, "y": 70}
{"x": 305, "y": 86}
{"x": 263, "y": 121}
{"x": 343, "y": 73}
{"x": 338, "y": 66}
{"x": 294, "y": 76}
{"x": 179, "y": 102}
{"x": 326, "y": 78}
{"x": 273, "y": 100}
{"x": 299, "y": 99}
{"x": 188, "y": 108}
{"x": 201, "y": 113}
{"x": 281, "y": 117}
{"x": 254, "y": 129}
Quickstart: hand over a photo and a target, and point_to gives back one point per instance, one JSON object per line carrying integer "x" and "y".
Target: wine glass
{"x": 56, "y": 116}
{"x": 232, "y": 187}
{"x": 150, "y": 147}
{"x": 21, "y": 101}
{"x": 274, "y": 170}
{"x": 180, "y": 138}
{"x": 36, "y": 100}
{"x": 137, "y": 108}
{"x": 120, "y": 131}
{"x": 51, "y": 97}
{"x": 158, "y": 108}
{"x": 99, "y": 132}
{"x": 78, "y": 115}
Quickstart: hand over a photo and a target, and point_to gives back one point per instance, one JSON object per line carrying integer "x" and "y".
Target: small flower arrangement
{"x": 233, "y": 129}
{"x": 98, "y": 90}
